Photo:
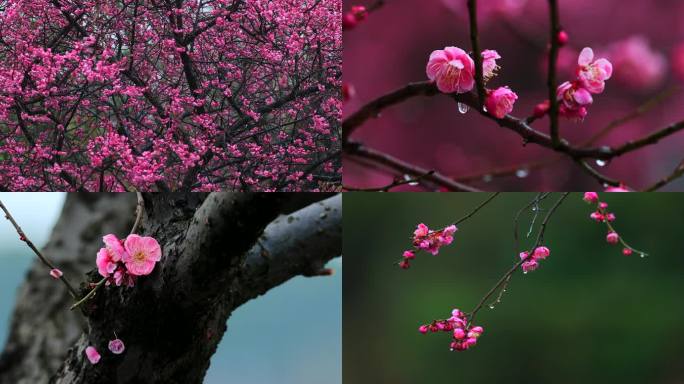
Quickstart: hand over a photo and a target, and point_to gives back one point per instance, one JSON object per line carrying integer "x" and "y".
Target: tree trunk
{"x": 219, "y": 251}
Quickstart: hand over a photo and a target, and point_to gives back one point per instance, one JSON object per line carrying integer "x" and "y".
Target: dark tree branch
{"x": 551, "y": 82}
{"x": 477, "y": 53}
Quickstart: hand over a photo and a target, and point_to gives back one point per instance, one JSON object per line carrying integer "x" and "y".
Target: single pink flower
{"x": 489, "y": 66}
{"x": 409, "y": 255}
{"x": 56, "y": 273}
{"x": 500, "y": 102}
{"x": 117, "y": 346}
{"x": 591, "y": 73}
{"x": 452, "y": 69}
{"x": 423, "y": 329}
{"x": 92, "y": 355}
{"x": 142, "y": 253}
{"x": 110, "y": 255}
{"x": 612, "y": 238}
{"x": 573, "y": 100}
{"x": 541, "y": 253}
{"x": 529, "y": 266}
{"x": 590, "y": 197}
{"x": 421, "y": 231}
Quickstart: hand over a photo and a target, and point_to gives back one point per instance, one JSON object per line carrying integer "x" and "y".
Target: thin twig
{"x": 138, "y": 212}
{"x": 477, "y": 54}
{"x": 45, "y": 260}
{"x": 551, "y": 82}
{"x": 396, "y": 183}
{"x": 506, "y": 276}
{"x": 474, "y": 211}
{"x": 89, "y": 295}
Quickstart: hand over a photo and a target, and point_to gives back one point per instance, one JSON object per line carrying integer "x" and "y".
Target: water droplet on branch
{"x": 463, "y": 108}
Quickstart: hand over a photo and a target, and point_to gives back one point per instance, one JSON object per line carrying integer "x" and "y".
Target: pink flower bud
{"x": 603, "y": 205}
{"x": 541, "y": 109}
{"x": 92, "y": 355}
{"x": 423, "y": 329}
{"x": 404, "y": 264}
{"x": 612, "y": 238}
{"x": 563, "y": 38}
{"x": 459, "y": 333}
{"x": 626, "y": 251}
{"x": 116, "y": 346}
{"x": 590, "y": 197}
{"x": 500, "y": 102}
{"x": 56, "y": 273}
{"x": 529, "y": 266}
{"x": 477, "y": 329}
{"x": 349, "y": 21}
{"x": 597, "y": 216}
{"x": 524, "y": 255}
{"x": 610, "y": 217}
{"x": 471, "y": 341}
{"x": 541, "y": 253}
{"x": 409, "y": 255}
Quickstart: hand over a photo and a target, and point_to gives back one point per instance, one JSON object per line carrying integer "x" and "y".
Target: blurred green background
{"x": 291, "y": 335}
{"x": 588, "y": 314}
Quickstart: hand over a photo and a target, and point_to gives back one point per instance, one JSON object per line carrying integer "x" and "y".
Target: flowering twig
{"x": 474, "y": 211}
{"x": 504, "y": 279}
{"x": 45, "y": 260}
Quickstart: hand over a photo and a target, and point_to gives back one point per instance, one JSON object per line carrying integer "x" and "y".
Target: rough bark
{"x": 213, "y": 261}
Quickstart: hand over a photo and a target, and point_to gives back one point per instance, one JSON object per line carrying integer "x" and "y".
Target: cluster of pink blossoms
{"x": 453, "y": 70}
{"x": 463, "y": 335}
{"x": 120, "y": 261}
{"x": 531, "y": 262}
{"x": 575, "y": 96}
{"x": 601, "y": 215}
{"x": 428, "y": 241}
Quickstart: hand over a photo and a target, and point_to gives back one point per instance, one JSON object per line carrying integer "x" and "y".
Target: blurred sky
{"x": 291, "y": 335}
{"x": 587, "y": 315}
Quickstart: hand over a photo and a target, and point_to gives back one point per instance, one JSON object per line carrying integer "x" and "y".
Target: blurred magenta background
{"x": 391, "y": 49}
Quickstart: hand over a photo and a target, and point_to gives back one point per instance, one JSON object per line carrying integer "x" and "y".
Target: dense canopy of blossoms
{"x": 191, "y": 94}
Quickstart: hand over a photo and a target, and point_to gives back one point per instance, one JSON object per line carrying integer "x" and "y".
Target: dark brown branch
{"x": 477, "y": 53}
{"x": 358, "y": 150}
{"x": 551, "y": 82}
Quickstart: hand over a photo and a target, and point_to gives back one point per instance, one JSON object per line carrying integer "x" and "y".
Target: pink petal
{"x": 92, "y": 355}
{"x": 583, "y": 97}
{"x": 606, "y": 68}
{"x": 56, "y": 273}
{"x": 586, "y": 56}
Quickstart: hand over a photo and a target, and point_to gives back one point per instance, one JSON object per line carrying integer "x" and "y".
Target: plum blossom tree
{"x": 196, "y": 259}
{"x": 192, "y": 95}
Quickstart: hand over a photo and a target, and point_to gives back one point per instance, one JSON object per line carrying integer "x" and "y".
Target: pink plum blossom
{"x": 92, "y": 354}
{"x": 462, "y": 335}
{"x": 116, "y": 346}
{"x": 612, "y": 238}
{"x": 110, "y": 255}
{"x": 530, "y": 265}
{"x": 142, "y": 253}
{"x": 590, "y": 197}
{"x": 489, "y": 66}
{"x": 591, "y": 73}
{"x": 541, "y": 253}
{"x": 56, "y": 273}
{"x": 626, "y": 251}
{"x": 620, "y": 188}
{"x": 573, "y": 100}
{"x": 500, "y": 102}
{"x": 452, "y": 69}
